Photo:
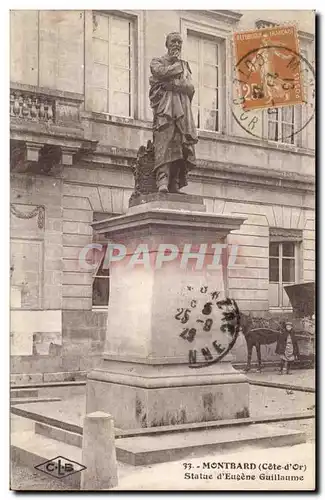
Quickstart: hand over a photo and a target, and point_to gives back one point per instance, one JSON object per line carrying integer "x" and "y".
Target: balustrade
{"x": 31, "y": 107}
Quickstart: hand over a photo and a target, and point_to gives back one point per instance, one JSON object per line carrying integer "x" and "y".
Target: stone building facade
{"x": 79, "y": 112}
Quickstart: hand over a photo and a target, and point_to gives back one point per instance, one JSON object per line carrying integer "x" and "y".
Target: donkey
{"x": 255, "y": 337}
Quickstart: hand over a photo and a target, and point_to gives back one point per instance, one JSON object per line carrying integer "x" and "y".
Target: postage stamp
{"x": 264, "y": 82}
{"x": 269, "y": 67}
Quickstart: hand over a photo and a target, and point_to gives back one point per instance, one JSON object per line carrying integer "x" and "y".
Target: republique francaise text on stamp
{"x": 269, "y": 68}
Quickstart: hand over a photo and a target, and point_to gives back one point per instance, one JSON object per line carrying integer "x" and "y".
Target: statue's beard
{"x": 175, "y": 52}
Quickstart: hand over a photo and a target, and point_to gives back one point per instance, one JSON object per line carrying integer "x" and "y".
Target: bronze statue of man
{"x": 174, "y": 132}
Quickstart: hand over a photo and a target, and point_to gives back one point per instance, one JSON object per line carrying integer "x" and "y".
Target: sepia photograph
{"x": 162, "y": 250}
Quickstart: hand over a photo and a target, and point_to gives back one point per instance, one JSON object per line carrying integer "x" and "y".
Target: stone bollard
{"x": 98, "y": 452}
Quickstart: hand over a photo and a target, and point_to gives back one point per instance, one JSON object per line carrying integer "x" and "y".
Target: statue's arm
{"x": 185, "y": 85}
{"x": 160, "y": 70}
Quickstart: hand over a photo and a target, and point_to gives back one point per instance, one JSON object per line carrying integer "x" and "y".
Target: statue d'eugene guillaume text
{"x": 174, "y": 132}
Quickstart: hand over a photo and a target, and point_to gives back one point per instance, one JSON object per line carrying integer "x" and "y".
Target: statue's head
{"x": 174, "y": 44}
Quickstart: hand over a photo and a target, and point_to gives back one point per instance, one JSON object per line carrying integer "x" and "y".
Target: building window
{"x": 281, "y": 124}
{"x": 101, "y": 284}
{"x": 113, "y": 73}
{"x": 101, "y": 276}
{"x": 283, "y": 257}
{"x": 205, "y": 58}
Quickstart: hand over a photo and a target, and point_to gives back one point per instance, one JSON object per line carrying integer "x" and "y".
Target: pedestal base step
{"x": 18, "y": 401}
{"x": 23, "y": 393}
{"x": 60, "y": 434}
{"x": 147, "y": 450}
{"x": 63, "y": 414}
{"x": 53, "y": 421}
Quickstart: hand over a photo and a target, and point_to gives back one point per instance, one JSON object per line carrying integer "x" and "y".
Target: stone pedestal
{"x": 159, "y": 366}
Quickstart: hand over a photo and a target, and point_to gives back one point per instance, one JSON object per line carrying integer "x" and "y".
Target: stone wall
{"x": 36, "y": 267}
{"x": 83, "y": 334}
{"x": 309, "y": 259}
{"x": 53, "y": 328}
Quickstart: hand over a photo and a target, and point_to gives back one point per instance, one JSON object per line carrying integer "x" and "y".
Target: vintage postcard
{"x": 162, "y": 244}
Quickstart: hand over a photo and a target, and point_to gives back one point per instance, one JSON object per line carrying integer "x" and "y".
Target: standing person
{"x": 265, "y": 63}
{"x": 174, "y": 132}
{"x": 287, "y": 347}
